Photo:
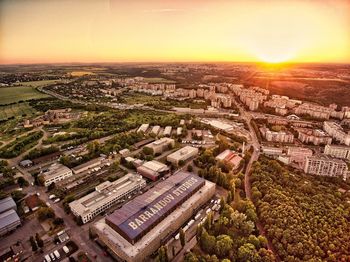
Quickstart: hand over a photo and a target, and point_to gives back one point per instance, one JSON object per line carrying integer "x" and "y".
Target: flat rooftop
{"x": 105, "y": 192}
{"x": 55, "y": 170}
{"x": 93, "y": 162}
{"x": 141, "y": 214}
{"x": 183, "y": 152}
{"x": 134, "y": 250}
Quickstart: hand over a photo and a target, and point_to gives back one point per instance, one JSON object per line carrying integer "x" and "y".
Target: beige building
{"x": 281, "y": 136}
{"x": 161, "y": 145}
{"x": 323, "y": 165}
{"x": 337, "y": 132}
{"x": 182, "y": 154}
{"x": 337, "y": 151}
{"x": 105, "y": 196}
{"x": 298, "y": 154}
{"x": 169, "y": 220}
{"x": 55, "y": 173}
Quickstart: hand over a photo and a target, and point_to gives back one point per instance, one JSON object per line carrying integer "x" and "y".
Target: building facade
{"x": 323, "y": 165}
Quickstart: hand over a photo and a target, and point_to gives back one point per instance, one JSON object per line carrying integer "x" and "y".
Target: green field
{"x": 15, "y": 110}
{"x": 22, "y": 91}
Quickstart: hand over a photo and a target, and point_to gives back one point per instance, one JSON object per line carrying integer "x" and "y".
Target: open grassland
{"x": 14, "y": 110}
{"x": 81, "y": 73}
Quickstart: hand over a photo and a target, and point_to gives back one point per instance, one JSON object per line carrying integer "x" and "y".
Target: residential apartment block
{"x": 337, "y": 151}
{"x": 323, "y": 165}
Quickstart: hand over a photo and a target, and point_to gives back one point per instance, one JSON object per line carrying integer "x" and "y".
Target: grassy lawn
{"x": 15, "y": 110}
{"x": 18, "y": 93}
{"x": 137, "y": 98}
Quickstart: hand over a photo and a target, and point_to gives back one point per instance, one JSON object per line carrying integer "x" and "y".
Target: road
{"x": 247, "y": 186}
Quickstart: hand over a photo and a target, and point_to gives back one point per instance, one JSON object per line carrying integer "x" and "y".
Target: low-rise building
{"x": 105, "y": 196}
{"x": 9, "y": 220}
{"x": 337, "y": 151}
{"x": 96, "y": 162}
{"x": 272, "y": 151}
{"x": 7, "y": 204}
{"x": 155, "y": 130}
{"x": 161, "y": 145}
{"x": 56, "y": 172}
{"x": 143, "y": 128}
{"x": 230, "y": 157}
{"x": 323, "y": 165}
{"x": 182, "y": 154}
{"x": 140, "y": 227}
{"x": 167, "y": 131}
{"x": 153, "y": 169}
{"x": 124, "y": 152}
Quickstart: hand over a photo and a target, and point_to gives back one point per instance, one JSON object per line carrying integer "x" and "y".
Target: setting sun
{"x": 116, "y": 31}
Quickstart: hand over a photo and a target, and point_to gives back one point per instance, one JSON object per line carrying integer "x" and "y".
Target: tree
{"x": 229, "y": 197}
{"x": 33, "y": 244}
{"x": 163, "y": 254}
{"x": 247, "y": 252}
{"x": 22, "y": 182}
{"x": 189, "y": 168}
{"x": 39, "y": 241}
{"x": 51, "y": 186}
{"x": 207, "y": 242}
{"x": 182, "y": 237}
{"x": 223, "y": 245}
{"x": 147, "y": 150}
{"x": 58, "y": 221}
{"x": 45, "y": 213}
{"x": 190, "y": 257}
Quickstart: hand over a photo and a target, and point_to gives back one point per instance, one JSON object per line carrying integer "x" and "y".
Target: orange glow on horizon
{"x": 270, "y": 31}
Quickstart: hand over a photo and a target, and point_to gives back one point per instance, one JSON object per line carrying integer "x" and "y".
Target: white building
{"x": 323, "y": 165}
{"x": 143, "y": 128}
{"x": 337, "y": 151}
{"x": 105, "y": 196}
{"x": 337, "y": 132}
{"x": 271, "y": 151}
{"x": 153, "y": 169}
{"x": 182, "y": 154}
{"x": 155, "y": 130}
{"x": 56, "y": 172}
{"x": 161, "y": 145}
{"x": 167, "y": 131}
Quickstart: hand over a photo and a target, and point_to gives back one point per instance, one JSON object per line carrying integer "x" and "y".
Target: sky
{"x": 49, "y": 31}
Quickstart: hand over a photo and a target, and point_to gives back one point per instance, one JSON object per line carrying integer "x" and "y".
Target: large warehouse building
{"x": 182, "y": 154}
{"x": 139, "y": 228}
{"x": 105, "y": 195}
{"x": 153, "y": 170}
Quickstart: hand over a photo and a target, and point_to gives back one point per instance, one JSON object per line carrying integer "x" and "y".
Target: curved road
{"x": 247, "y": 186}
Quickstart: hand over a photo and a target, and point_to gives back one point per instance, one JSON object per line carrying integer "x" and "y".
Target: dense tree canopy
{"x": 307, "y": 218}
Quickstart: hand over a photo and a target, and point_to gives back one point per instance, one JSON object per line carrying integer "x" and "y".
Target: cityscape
{"x": 127, "y": 146}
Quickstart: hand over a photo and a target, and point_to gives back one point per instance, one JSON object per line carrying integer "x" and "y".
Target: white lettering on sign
{"x": 157, "y": 207}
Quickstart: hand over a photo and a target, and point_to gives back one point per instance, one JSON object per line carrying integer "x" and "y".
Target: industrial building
{"x": 105, "y": 195}
{"x": 143, "y": 128}
{"x": 9, "y": 219}
{"x": 337, "y": 151}
{"x": 167, "y": 131}
{"x": 155, "y": 130}
{"x": 160, "y": 145}
{"x": 182, "y": 154}
{"x": 88, "y": 165}
{"x": 56, "y": 172}
{"x": 141, "y": 226}
{"x": 230, "y": 157}
{"x": 323, "y": 165}
{"x": 153, "y": 170}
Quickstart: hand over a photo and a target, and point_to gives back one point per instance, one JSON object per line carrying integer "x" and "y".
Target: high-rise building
{"x": 323, "y": 165}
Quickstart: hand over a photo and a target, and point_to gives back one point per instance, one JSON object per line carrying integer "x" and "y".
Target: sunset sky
{"x": 174, "y": 30}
